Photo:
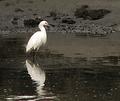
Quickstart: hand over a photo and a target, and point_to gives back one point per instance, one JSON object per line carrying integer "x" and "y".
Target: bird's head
{"x": 44, "y": 23}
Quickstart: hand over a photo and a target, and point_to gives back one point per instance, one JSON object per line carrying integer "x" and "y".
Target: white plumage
{"x": 37, "y": 39}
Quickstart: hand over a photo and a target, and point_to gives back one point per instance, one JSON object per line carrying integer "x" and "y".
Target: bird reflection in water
{"x": 37, "y": 74}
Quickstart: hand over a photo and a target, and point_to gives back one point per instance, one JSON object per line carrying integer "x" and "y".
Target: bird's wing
{"x": 32, "y": 43}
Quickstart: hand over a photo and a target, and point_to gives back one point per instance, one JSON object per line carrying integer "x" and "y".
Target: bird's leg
{"x": 27, "y": 55}
{"x": 33, "y": 55}
{"x": 36, "y": 53}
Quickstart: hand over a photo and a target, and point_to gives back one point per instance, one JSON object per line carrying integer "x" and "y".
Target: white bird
{"x": 38, "y": 39}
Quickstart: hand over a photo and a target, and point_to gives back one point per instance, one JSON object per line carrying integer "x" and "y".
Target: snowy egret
{"x": 38, "y": 39}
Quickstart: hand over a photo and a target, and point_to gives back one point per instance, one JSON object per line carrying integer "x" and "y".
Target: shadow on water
{"x": 54, "y": 76}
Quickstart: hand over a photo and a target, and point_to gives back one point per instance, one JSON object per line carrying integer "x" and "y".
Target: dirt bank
{"x": 97, "y": 18}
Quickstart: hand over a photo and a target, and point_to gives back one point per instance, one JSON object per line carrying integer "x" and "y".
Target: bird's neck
{"x": 42, "y": 28}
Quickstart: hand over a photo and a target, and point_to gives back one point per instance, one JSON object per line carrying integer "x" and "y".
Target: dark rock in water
{"x": 68, "y": 21}
{"x": 32, "y": 22}
{"x": 86, "y": 13}
{"x": 19, "y": 10}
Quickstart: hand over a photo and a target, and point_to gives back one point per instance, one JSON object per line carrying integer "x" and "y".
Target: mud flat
{"x": 97, "y": 18}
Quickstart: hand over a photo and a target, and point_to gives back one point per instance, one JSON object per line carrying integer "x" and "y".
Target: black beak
{"x": 48, "y": 26}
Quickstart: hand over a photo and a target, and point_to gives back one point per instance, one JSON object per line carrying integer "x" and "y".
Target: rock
{"x": 32, "y": 22}
{"x": 97, "y": 14}
{"x": 86, "y": 13}
{"x": 81, "y": 12}
{"x": 56, "y": 18}
{"x": 19, "y": 10}
{"x": 53, "y": 14}
{"x": 68, "y": 21}
{"x": 44, "y": 0}
{"x": 116, "y": 27}
{"x": 15, "y": 21}
{"x": 7, "y": 4}
{"x": 30, "y": 1}
{"x": 35, "y": 14}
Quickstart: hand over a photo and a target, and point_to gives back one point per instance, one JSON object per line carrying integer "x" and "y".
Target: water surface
{"x": 68, "y": 68}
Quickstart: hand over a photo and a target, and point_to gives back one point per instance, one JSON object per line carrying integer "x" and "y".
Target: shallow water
{"x": 64, "y": 69}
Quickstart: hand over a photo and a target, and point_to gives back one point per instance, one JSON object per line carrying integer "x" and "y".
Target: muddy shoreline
{"x": 59, "y": 23}
{"x": 85, "y": 19}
